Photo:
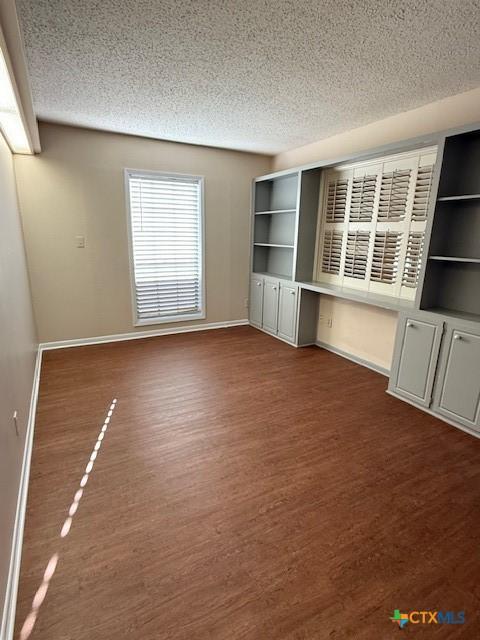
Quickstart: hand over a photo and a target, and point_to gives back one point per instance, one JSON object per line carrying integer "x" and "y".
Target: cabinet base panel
{"x": 273, "y": 335}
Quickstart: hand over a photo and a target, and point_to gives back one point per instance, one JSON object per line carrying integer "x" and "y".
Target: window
{"x": 166, "y": 246}
{"x": 373, "y": 223}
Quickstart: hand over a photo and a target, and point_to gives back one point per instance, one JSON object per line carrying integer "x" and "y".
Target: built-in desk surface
{"x": 356, "y": 295}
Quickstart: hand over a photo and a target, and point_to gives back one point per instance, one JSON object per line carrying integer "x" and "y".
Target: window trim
{"x": 199, "y": 315}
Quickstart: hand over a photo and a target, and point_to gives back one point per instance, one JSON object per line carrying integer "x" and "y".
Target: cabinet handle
{"x": 259, "y": 284}
{"x": 292, "y": 292}
{"x": 410, "y": 324}
{"x": 457, "y": 336}
{"x": 274, "y": 288}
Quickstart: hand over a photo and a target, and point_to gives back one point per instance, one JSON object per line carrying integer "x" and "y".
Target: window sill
{"x": 170, "y": 319}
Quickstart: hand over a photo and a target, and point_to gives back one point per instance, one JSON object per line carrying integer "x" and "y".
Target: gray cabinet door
{"x": 256, "y": 301}
{"x": 270, "y": 305}
{"x": 415, "y": 359}
{"x": 287, "y": 313}
{"x": 458, "y": 388}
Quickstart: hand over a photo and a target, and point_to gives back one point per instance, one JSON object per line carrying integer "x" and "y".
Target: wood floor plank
{"x": 244, "y": 490}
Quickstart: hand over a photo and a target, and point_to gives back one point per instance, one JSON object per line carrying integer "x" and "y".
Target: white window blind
{"x": 166, "y": 246}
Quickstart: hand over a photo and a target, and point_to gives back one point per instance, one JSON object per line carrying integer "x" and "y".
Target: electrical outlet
{"x": 329, "y": 323}
{"x": 80, "y": 242}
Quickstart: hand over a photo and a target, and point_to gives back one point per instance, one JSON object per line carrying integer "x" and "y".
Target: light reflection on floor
{"x": 41, "y": 593}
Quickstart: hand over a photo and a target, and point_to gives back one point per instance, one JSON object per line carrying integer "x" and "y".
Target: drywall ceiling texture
{"x": 259, "y": 76}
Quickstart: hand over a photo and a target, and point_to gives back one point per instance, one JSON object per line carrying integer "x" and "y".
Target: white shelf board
{"x": 453, "y": 313}
{"x": 269, "y": 213}
{"x": 271, "y": 274}
{"x": 473, "y": 196}
{"x": 277, "y": 246}
{"x": 455, "y": 259}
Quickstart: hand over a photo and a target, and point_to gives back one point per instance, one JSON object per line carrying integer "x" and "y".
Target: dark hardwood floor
{"x": 244, "y": 490}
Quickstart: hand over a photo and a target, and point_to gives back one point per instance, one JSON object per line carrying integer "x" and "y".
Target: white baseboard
{"x": 353, "y": 358}
{"x": 8, "y": 620}
{"x": 136, "y": 335}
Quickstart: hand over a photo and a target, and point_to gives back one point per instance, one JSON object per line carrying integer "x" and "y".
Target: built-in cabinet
{"x": 270, "y": 305}
{"x": 287, "y": 312}
{"x": 398, "y": 230}
{"x": 273, "y": 307}
{"x": 256, "y": 302}
{"x": 416, "y": 356}
{"x": 458, "y": 391}
{"x": 436, "y": 365}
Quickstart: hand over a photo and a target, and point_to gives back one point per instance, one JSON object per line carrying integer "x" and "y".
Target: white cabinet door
{"x": 458, "y": 395}
{"x": 415, "y": 359}
{"x": 270, "y": 305}
{"x": 256, "y": 301}
{"x": 287, "y": 313}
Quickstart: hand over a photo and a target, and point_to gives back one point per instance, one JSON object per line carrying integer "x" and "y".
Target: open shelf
{"x": 275, "y": 211}
{"x": 454, "y": 259}
{"x": 453, "y": 285}
{"x": 277, "y": 194}
{"x": 273, "y": 260}
{"x": 275, "y": 229}
{"x": 456, "y": 229}
{"x": 460, "y": 176}
{"x": 473, "y": 196}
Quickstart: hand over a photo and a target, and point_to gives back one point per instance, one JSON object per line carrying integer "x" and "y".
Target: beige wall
{"x": 17, "y": 356}
{"x": 76, "y": 187}
{"x": 368, "y": 332}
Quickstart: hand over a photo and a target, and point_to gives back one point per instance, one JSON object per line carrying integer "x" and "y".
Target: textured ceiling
{"x": 258, "y": 75}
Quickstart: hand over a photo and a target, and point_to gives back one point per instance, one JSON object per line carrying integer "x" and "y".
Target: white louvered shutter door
{"x": 356, "y": 254}
{"x": 392, "y": 220}
{"x": 416, "y": 223}
{"x": 413, "y": 259}
{"x": 386, "y": 252}
{"x": 166, "y": 234}
{"x": 361, "y": 215}
{"x": 337, "y": 193}
{"x": 332, "y": 251}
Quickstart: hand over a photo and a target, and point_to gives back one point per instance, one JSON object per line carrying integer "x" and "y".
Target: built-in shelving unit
{"x": 284, "y": 224}
{"x": 274, "y": 225}
{"x": 452, "y": 271}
